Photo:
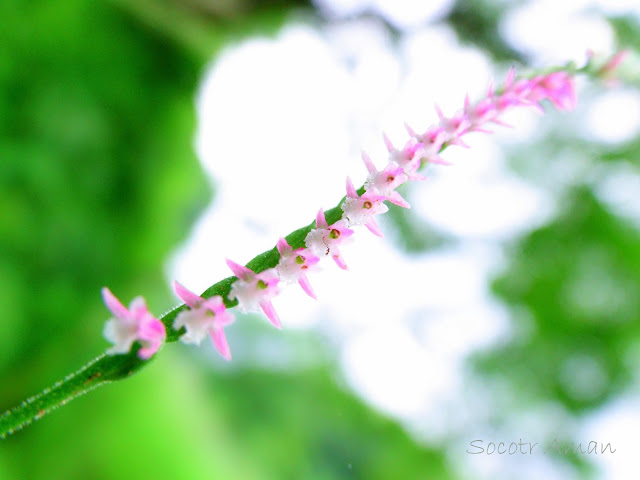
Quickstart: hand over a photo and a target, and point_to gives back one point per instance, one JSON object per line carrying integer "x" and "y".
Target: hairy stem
{"x": 99, "y": 371}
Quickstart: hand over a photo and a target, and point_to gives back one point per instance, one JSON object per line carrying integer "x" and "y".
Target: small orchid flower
{"x": 453, "y": 127}
{"x": 359, "y": 210}
{"x": 253, "y": 290}
{"x": 431, "y": 143}
{"x": 133, "y": 325}
{"x": 482, "y": 112}
{"x": 324, "y": 239}
{"x": 203, "y": 316}
{"x": 409, "y": 158}
{"x": 386, "y": 181}
{"x": 557, "y": 87}
{"x": 294, "y": 264}
{"x": 515, "y": 93}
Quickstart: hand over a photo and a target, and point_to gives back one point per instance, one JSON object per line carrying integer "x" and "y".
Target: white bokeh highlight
{"x": 554, "y": 32}
{"x": 614, "y": 117}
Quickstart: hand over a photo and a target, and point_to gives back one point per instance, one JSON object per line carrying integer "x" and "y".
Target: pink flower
{"x": 359, "y": 210}
{"x": 482, "y": 112}
{"x": 515, "y": 93}
{"x": 557, "y": 87}
{"x": 431, "y": 143}
{"x": 324, "y": 239}
{"x": 133, "y": 325}
{"x": 386, "y": 181}
{"x": 453, "y": 127}
{"x": 253, "y": 290}
{"x": 409, "y": 158}
{"x": 294, "y": 264}
{"x": 203, "y": 316}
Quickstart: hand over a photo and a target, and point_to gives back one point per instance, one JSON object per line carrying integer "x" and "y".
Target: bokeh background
{"x": 142, "y": 141}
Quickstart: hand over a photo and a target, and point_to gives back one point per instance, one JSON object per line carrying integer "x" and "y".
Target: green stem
{"x": 99, "y": 371}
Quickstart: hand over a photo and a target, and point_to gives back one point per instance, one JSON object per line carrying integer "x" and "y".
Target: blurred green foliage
{"x": 476, "y": 23}
{"x": 97, "y": 119}
{"x": 576, "y": 282}
{"x": 179, "y": 420}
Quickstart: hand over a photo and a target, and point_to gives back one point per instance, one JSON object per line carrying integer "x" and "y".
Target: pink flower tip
{"x": 188, "y": 297}
{"x": 283, "y": 246}
{"x": 351, "y": 190}
{"x": 238, "y": 270}
{"x": 614, "y": 62}
{"x": 135, "y": 324}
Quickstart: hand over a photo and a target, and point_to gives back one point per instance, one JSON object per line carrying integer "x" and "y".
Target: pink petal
{"x": 459, "y": 141}
{"x": 215, "y": 305}
{"x": 437, "y": 159}
{"x": 187, "y": 296}
{"x": 239, "y": 271}
{"x": 510, "y": 78}
{"x": 410, "y": 130}
{"x": 344, "y": 231}
{"x": 416, "y": 177}
{"x": 310, "y": 258}
{"x": 153, "y": 334}
{"x": 369, "y": 164}
{"x": 490, "y": 89}
{"x": 615, "y": 61}
{"x": 283, "y": 246}
{"x": 321, "y": 222}
{"x": 303, "y": 281}
{"x": 270, "y": 312}
{"x": 337, "y": 257}
{"x": 224, "y": 318}
{"x": 397, "y": 199}
{"x": 388, "y": 143}
{"x": 270, "y": 279}
{"x": 113, "y": 304}
{"x": 138, "y": 309}
{"x": 373, "y": 227}
{"x": 351, "y": 190}
{"x": 481, "y": 130}
{"x": 151, "y": 330}
{"x": 219, "y": 340}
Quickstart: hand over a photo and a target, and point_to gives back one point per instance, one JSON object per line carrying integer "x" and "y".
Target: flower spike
{"x": 409, "y": 158}
{"x": 254, "y": 291}
{"x": 385, "y": 182}
{"x": 131, "y": 325}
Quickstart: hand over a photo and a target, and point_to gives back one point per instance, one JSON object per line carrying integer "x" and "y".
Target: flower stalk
{"x": 137, "y": 335}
